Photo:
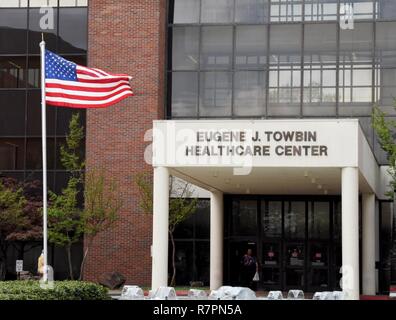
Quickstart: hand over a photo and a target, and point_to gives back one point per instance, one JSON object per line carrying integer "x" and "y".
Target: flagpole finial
{"x": 42, "y": 36}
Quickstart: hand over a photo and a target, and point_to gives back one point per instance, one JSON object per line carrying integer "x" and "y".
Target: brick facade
{"x": 126, "y": 37}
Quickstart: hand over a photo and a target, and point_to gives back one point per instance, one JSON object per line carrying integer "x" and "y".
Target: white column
{"x": 368, "y": 244}
{"x": 159, "y": 250}
{"x": 216, "y": 240}
{"x": 350, "y": 232}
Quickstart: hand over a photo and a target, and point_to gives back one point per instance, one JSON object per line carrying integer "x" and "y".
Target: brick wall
{"x": 126, "y": 37}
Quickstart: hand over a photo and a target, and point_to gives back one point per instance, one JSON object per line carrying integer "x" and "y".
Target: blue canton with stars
{"x": 59, "y": 68}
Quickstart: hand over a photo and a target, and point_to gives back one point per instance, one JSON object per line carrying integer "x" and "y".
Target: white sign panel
{"x": 19, "y": 266}
{"x": 258, "y": 143}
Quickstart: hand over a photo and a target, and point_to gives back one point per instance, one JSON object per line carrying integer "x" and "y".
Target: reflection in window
{"x": 249, "y": 93}
{"x": 13, "y": 24}
{"x": 186, "y": 11}
{"x": 337, "y": 220}
{"x": 12, "y": 72}
{"x": 12, "y": 153}
{"x": 185, "y": 46}
{"x": 286, "y": 11}
{"x": 251, "y": 11}
{"x": 216, "y": 52}
{"x": 284, "y": 91}
{"x": 70, "y": 20}
{"x": 319, "y": 220}
{"x": 318, "y": 254}
{"x": 272, "y": 219}
{"x": 217, "y": 11}
{"x": 215, "y": 94}
{"x": 295, "y": 219}
{"x": 295, "y": 255}
{"x": 244, "y": 218}
{"x": 184, "y": 94}
{"x": 320, "y": 10}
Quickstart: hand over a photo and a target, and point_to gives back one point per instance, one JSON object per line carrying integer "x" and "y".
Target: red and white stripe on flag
{"x": 71, "y": 85}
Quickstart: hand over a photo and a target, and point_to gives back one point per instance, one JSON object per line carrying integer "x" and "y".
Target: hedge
{"x": 63, "y": 290}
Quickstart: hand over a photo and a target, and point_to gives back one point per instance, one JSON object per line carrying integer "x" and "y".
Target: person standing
{"x": 249, "y": 267}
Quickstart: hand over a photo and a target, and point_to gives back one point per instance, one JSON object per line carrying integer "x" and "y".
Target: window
{"x": 244, "y": 218}
{"x": 184, "y": 94}
{"x": 386, "y": 9}
{"x": 286, "y": 10}
{"x": 216, "y": 48}
{"x": 285, "y": 44}
{"x": 271, "y": 219}
{"x": 12, "y": 153}
{"x": 217, "y": 11}
{"x": 320, "y": 44}
{"x": 73, "y": 30}
{"x": 320, "y": 10}
{"x": 12, "y": 120}
{"x": 356, "y": 45}
{"x": 13, "y": 24}
{"x": 12, "y": 72}
{"x": 385, "y": 89}
{"x": 186, "y": 11}
{"x": 251, "y": 47}
{"x": 295, "y": 220}
{"x": 249, "y": 93}
{"x": 385, "y": 54}
{"x": 319, "y": 220}
{"x": 362, "y": 9}
{"x": 34, "y": 115}
{"x": 251, "y": 11}
{"x": 185, "y": 47}
{"x": 215, "y": 94}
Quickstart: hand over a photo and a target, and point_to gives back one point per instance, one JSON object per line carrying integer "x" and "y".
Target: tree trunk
{"x": 81, "y": 278}
{"x": 173, "y": 281}
{"x": 69, "y": 259}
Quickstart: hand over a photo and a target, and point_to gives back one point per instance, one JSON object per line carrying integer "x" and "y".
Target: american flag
{"x": 70, "y": 85}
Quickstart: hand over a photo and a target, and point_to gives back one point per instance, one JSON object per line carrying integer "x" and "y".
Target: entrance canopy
{"x": 266, "y": 156}
{"x": 289, "y": 157}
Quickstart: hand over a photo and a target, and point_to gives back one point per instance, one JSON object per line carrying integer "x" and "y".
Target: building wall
{"x": 126, "y": 37}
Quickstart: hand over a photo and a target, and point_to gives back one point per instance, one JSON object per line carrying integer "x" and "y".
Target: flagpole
{"x": 44, "y": 144}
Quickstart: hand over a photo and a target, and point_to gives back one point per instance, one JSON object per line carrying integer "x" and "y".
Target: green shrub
{"x": 63, "y": 290}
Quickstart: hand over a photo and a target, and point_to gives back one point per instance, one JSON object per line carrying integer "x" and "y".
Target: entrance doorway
{"x": 295, "y": 239}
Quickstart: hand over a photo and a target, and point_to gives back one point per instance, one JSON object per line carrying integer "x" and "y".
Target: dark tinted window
{"x": 12, "y": 72}
{"x": 34, "y": 115}
{"x": 13, "y": 24}
{"x": 73, "y": 30}
{"x": 12, "y": 119}
{"x": 12, "y": 153}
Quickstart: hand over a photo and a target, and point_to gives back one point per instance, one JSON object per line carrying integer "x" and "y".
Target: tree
{"x": 32, "y": 230}
{"x": 64, "y": 212}
{"x": 181, "y": 206}
{"x": 12, "y": 203}
{"x": 102, "y": 205}
{"x": 386, "y": 132}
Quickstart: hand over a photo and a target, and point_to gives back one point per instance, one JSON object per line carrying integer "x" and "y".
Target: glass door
{"x": 294, "y": 271}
